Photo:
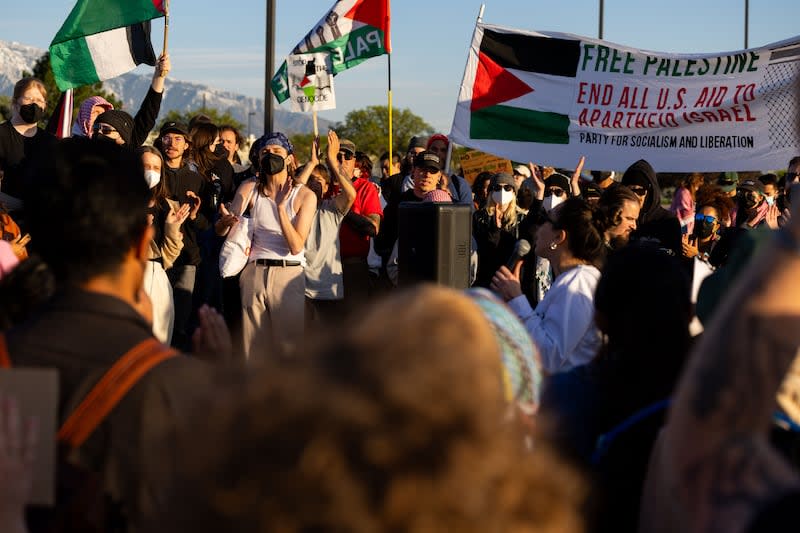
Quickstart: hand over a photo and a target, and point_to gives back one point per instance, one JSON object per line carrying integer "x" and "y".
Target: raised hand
{"x": 212, "y": 339}
{"x": 537, "y": 181}
{"x": 178, "y": 216}
{"x": 576, "y": 177}
{"x": 195, "y": 204}
{"x": 333, "y": 146}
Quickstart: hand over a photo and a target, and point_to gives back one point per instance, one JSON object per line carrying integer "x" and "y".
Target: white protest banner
{"x": 311, "y": 82}
{"x": 551, "y": 97}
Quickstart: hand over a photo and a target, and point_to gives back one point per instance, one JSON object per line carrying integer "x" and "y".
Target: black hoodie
{"x": 655, "y": 222}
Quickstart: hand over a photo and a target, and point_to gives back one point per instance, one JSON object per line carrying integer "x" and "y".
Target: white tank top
{"x": 268, "y": 240}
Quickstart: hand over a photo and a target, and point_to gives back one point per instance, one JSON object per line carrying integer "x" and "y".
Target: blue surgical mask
{"x": 770, "y": 200}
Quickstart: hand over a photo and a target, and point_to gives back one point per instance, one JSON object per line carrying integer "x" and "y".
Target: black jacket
{"x": 179, "y": 182}
{"x": 655, "y": 222}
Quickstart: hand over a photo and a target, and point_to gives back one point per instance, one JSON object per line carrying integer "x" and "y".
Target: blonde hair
{"x": 509, "y": 219}
{"x": 26, "y": 83}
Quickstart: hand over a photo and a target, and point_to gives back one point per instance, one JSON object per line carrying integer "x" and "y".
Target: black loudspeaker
{"x": 434, "y": 243}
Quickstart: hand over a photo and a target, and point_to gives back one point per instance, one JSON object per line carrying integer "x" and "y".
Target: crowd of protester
{"x": 572, "y": 388}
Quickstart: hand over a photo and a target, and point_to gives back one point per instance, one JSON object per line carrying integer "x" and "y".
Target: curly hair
{"x": 375, "y": 432}
{"x": 712, "y": 195}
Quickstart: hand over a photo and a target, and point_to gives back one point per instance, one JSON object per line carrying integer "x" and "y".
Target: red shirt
{"x": 366, "y": 203}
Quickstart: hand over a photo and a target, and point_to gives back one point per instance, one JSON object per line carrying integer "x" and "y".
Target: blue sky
{"x": 221, "y": 43}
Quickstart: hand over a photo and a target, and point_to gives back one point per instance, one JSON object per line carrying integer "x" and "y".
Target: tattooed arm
{"x": 718, "y": 458}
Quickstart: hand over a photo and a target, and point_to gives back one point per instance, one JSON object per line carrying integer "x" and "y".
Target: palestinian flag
{"x": 102, "y": 39}
{"x": 351, "y": 32}
{"x": 519, "y": 87}
{"x": 60, "y": 123}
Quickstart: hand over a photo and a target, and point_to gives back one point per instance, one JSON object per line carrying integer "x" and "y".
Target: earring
{"x": 553, "y": 246}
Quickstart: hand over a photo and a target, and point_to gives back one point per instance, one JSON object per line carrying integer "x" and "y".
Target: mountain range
{"x": 179, "y": 95}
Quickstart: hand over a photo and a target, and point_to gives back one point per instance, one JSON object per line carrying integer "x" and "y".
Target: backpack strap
{"x": 111, "y": 388}
{"x": 5, "y": 360}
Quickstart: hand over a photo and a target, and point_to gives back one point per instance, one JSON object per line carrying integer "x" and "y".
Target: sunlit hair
{"x": 203, "y": 135}
{"x": 611, "y": 203}
{"x": 160, "y": 192}
{"x": 26, "y": 83}
{"x": 377, "y": 430}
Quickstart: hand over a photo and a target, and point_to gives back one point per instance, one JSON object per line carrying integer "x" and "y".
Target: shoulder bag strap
{"x": 111, "y": 388}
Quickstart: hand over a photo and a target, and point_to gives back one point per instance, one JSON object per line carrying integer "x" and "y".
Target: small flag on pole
{"x": 102, "y": 39}
{"x": 351, "y": 32}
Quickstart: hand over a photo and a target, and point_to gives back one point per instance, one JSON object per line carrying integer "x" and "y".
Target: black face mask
{"x": 31, "y": 113}
{"x": 220, "y": 151}
{"x": 704, "y": 230}
{"x": 102, "y": 138}
{"x": 272, "y": 164}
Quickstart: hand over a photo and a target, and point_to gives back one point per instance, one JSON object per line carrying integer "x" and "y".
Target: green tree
{"x": 217, "y": 117}
{"x": 43, "y": 71}
{"x": 5, "y": 108}
{"x": 368, "y": 128}
{"x": 302, "y": 145}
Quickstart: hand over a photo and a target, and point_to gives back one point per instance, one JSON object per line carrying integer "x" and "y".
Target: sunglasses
{"x": 555, "y": 191}
{"x": 705, "y": 218}
{"x": 344, "y": 155}
{"x": 105, "y": 129}
{"x": 638, "y": 191}
{"x": 498, "y": 187}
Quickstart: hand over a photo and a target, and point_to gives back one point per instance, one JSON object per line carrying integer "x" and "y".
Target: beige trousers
{"x": 273, "y": 310}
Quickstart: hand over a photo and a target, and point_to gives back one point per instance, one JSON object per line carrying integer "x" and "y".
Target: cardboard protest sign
{"x": 474, "y": 162}
{"x": 36, "y": 392}
{"x": 311, "y": 82}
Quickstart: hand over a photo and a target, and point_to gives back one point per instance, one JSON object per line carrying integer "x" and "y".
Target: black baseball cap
{"x": 428, "y": 160}
{"x": 174, "y": 127}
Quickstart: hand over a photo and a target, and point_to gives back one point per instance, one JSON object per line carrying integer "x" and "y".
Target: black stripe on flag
{"x": 140, "y": 45}
{"x": 545, "y": 55}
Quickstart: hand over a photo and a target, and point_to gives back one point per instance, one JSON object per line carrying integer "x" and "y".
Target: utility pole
{"x": 600, "y": 31}
{"x": 746, "y": 22}
{"x": 269, "y": 66}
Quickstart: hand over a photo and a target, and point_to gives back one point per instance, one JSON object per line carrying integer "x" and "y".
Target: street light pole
{"x": 746, "y": 22}
{"x": 249, "y": 121}
{"x": 269, "y": 61}
{"x": 600, "y": 31}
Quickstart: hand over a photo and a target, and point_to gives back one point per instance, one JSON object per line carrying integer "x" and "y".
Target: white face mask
{"x": 552, "y": 201}
{"x": 502, "y": 197}
{"x": 770, "y": 200}
{"x": 152, "y": 177}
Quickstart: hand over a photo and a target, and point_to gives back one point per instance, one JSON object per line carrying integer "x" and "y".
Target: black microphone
{"x": 521, "y": 249}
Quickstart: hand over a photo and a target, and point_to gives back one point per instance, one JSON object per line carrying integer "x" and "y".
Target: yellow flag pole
{"x": 389, "y": 58}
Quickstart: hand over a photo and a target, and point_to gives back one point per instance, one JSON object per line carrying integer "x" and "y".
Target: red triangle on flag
{"x": 494, "y": 84}
{"x": 373, "y": 13}
{"x": 305, "y": 82}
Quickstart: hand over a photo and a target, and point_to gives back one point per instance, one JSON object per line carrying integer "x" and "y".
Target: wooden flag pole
{"x": 166, "y": 27}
